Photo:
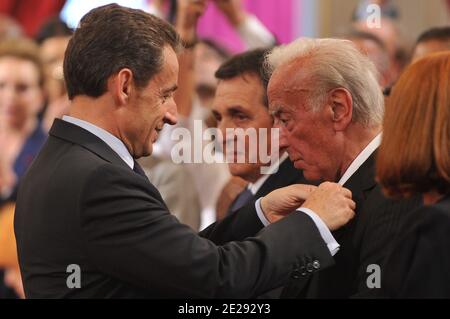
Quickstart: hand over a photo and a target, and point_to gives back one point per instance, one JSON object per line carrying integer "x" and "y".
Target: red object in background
{"x": 31, "y": 14}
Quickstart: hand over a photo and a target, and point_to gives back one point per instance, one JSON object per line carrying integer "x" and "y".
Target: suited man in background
{"x": 241, "y": 103}
{"x": 86, "y": 203}
{"x": 329, "y": 107}
{"x": 431, "y": 41}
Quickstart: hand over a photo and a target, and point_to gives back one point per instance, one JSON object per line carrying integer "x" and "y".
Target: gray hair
{"x": 335, "y": 63}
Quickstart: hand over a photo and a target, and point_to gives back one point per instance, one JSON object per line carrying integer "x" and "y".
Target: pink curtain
{"x": 276, "y": 15}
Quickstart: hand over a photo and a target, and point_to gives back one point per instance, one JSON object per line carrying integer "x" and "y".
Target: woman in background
{"x": 414, "y": 157}
{"x": 21, "y": 138}
{"x": 21, "y": 100}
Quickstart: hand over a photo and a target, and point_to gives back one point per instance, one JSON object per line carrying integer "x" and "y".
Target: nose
{"x": 283, "y": 140}
{"x": 171, "y": 114}
{"x": 224, "y": 124}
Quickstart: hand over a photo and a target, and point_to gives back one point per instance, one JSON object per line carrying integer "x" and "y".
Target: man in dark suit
{"x": 90, "y": 224}
{"x": 241, "y": 103}
{"x": 327, "y": 103}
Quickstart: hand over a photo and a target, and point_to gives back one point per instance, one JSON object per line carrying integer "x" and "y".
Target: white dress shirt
{"x": 325, "y": 233}
{"x": 112, "y": 141}
{"x": 360, "y": 159}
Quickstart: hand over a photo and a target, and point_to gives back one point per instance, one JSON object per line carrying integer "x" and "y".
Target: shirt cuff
{"x": 325, "y": 233}
{"x": 260, "y": 213}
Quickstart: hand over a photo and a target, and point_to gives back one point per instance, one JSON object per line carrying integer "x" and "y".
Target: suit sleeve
{"x": 239, "y": 225}
{"x": 130, "y": 235}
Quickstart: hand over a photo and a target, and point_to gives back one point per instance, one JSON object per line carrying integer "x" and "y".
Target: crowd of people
{"x": 359, "y": 177}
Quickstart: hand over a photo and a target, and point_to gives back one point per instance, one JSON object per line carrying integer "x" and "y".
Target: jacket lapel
{"x": 77, "y": 135}
{"x": 360, "y": 184}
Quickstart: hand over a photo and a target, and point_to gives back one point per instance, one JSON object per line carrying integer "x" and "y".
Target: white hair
{"x": 335, "y": 63}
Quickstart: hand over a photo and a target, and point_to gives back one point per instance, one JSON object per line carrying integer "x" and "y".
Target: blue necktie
{"x": 138, "y": 169}
{"x": 241, "y": 200}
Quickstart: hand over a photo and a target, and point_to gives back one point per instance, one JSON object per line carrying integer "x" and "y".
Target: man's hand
{"x": 332, "y": 203}
{"x": 188, "y": 13}
{"x": 7, "y": 178}
{"x": 13, "y": 280}
{"x": 233, "y": 10}
{"x": 285, "y": 200}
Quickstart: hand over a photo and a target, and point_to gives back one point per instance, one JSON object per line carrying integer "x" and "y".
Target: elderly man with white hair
{"x": 328, "y": 106}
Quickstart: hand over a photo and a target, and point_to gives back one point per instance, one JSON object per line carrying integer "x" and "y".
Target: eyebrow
{"x": 276, "y": 110}
{"x": 171, "y": 89}
{"x": 236, "y": 109}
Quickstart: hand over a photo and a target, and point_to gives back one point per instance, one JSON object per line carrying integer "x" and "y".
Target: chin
{"x": 311, "y": 176}
{"x": 244, "y": 171}
{"x": 143, "y": 153}
{"x": 147, "y": 152}
{"x": 147, "y": 148}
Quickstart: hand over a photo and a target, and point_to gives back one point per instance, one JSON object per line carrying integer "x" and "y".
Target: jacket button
{"x": 303, "y": 271}
{"x": 309, "y": 267}
{"x": 316, "y": 264}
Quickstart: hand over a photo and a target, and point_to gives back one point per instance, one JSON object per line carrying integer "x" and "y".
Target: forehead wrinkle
{"x": 293, "y": 77}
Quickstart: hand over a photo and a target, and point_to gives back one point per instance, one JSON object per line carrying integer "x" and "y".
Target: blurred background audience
{"x": 53, "y": 38}
{"x": 21, "y": 132}
{"x": 432, "y": 40}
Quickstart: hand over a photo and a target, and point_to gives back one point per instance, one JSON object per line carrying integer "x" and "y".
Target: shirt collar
{"x": 254, "y": 187}
{"x": 112, "y": 141}
{"x": 360, "y": 159}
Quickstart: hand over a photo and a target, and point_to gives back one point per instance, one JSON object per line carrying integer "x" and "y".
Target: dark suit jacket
{"x": 79, "y": 203}
{"x": 364, "y": 241}
{"x": 286, "y": 175}
{"x": 419, "y": 264}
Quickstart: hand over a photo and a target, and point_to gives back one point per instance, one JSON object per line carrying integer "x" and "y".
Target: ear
{"x": 121, "y": 86}
{"x": 341, "y": 103}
